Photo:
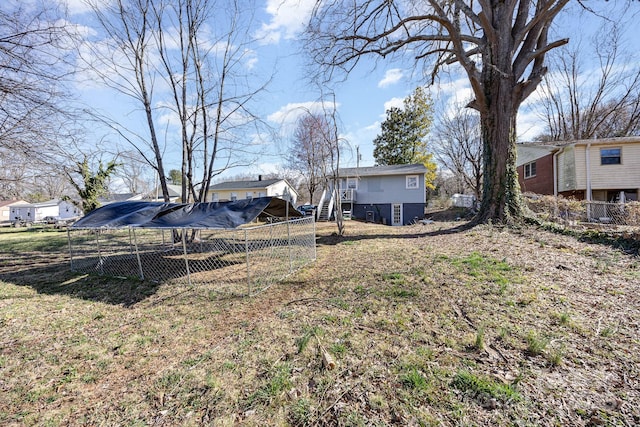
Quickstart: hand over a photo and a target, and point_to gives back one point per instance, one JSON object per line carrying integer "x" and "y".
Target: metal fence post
{"x": 135, "y": 243}
{"x": 246, "y": 250}
{"x": 70, "y": 249}
{"x": 186, "y": 258}
{"x": 100, "y": 262}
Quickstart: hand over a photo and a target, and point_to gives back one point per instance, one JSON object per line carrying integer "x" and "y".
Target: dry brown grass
{"x": 428, "y": 325}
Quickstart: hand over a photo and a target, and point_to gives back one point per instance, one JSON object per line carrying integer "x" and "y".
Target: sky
{"x": 362, "y": 98}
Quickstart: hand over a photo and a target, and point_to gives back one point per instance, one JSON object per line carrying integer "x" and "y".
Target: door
{"x": 396, "y": 214}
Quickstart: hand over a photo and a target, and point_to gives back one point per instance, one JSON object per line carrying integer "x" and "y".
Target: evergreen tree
{"x": 403, "y": 139}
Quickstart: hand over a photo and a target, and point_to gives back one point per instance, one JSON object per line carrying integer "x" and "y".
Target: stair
{"x": 324, "y": 212}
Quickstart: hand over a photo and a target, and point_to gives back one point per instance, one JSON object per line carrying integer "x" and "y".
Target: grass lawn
{"x": 420, "y": 325}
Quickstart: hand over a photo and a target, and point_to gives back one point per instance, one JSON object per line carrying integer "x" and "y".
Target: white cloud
{"x": 289, "y": 114}
{"x": 76, "y": 7}
{"x": 288, "y": 19}
{"x": 529, "y": 125}
{"x": 391, "y": 77}
{"x": 393, "y": 102}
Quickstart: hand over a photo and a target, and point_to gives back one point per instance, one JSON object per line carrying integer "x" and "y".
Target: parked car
{"x": 307, "y": 210}
{"x": 50, "y": 220}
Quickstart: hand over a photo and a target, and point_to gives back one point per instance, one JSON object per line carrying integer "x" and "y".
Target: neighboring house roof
{"x": 242, "y": 185}
{"x": 383, "y": 170}
{"x": 530, "y": 152}
{"x": 48, "y": 203}
{"x": 174, "y": 191}
{"x": 119, "y": 197}
{"x": 4, "y": 203}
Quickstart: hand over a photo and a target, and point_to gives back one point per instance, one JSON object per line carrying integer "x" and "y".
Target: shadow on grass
{"x": 51, "y": 275}
{"x": 412, "y": 233}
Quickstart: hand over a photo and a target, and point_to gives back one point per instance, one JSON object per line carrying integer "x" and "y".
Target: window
{"x": 610, "y": 156}
{"x": 249, "y": 195}
{"x": 233, "y": 197}
{"x": 530, "y": 170}
{"x": 215, "y": 197}
{"x": 352, "y": 183}
{"x": 412, "y": 181}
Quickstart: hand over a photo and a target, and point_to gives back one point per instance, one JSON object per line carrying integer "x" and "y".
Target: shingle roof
{"x": 241, "y": 185}
{"x": 383, "y": 170}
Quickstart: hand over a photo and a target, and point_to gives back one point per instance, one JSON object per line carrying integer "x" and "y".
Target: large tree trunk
{"x": 501, "y": 197}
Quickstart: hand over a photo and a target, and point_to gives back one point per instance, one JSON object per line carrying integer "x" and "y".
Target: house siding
{"x": 605, "y": 181}
{"x": 542, "y": 182}
{"x": 624, "y": 175}
{"x": 567, "y": 170}
{"x": 388, "y": 189}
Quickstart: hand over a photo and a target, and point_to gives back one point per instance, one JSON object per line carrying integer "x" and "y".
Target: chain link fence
{"x": 245, "y": 260}
{"x": 582, "y": 213}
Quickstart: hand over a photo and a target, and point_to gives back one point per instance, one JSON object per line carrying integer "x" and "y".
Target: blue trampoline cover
{"x": 224, "y": 215}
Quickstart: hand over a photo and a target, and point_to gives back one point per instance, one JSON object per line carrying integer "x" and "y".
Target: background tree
{"x": 132, "y": 175}
{"x": 458, "y": 147}
{"x": 403, "y": 139}
{"x": 582, "y": 103}
{"x": 35, "y": 65}
{"x": 91, "y": 185}
{"x": 199, "y": 50}
{"x": 500, "y": 45}
{"x": 175, "y": 177}
{"x": 310, "y": 152}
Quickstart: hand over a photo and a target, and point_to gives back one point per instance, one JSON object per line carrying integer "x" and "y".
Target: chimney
{"x": 259, "y": 177}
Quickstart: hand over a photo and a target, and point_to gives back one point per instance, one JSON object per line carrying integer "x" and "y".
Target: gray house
{"x": 393, "y": 195}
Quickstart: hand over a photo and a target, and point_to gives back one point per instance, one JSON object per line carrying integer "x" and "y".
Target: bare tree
{"x": 458, "y": 147}
{"x": 309, "y": 152}
{"x": 197, "y": 52}
{"x": 582, "y": 103}
{"x": 500, "y": 45}
{"x": 133, "y": 172}
{"x": 123, "y": 60}
{"x": 35, "y": 48}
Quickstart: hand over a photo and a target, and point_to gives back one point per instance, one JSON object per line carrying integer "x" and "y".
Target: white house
{"x": 33, "y": 212}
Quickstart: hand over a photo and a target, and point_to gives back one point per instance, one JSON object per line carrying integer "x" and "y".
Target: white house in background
{"x": 240, "y": 190}
{"x": 33, "y": 212}
{"x": 5, "y": 209}
{"x": 175, "y": 194}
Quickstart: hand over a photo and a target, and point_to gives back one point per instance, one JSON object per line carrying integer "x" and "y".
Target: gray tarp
{"x": 182, "y": 215}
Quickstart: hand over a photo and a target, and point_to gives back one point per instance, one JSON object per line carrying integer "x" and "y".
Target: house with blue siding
{"x": 393, "y": 195}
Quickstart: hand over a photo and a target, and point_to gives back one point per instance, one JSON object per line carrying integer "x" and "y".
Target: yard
{"x": 426, "y": 324}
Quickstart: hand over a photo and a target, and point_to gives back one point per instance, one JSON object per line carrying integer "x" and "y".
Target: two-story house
{"x": 594, "y": 169}
{"x": 238, "y": 190}
{"x": 393, "y": 195}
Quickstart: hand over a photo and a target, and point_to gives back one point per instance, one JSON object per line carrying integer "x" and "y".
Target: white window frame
{"x": 215, "y": 197}
{"x": 527, "y": 170}
{"x": 233, "y": 196}
{"x": 249, "y": 195}
{"x": 410, "y": 179}
{"x": 352, "y": 183}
